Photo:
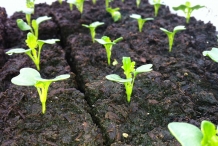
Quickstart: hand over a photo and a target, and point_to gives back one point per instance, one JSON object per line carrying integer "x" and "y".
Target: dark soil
{"x": 89, "y": 110}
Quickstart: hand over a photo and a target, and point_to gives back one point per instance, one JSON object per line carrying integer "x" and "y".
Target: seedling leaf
{"x": 60, "y": 77}
{"x": 186, "y": 134}
{"x": 117, "y": 78}
{"x": 17, "y": 50}
{"x": 23, "y": 25}
{"x": 144, "y": 68}
{"x": 213, "y": 54}
{"x": 26, "y": 77}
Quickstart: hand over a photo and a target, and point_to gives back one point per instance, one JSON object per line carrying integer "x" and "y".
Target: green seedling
{"x": 172, "y": 34}
{"x": 116, "y": 15}
{"x": 140, "y": 20}
{"x": 108, "y": 44}
{"x": 187, "y": 9}
{"x": 138, "y": 3}
{"x": 60, "y": 1}
{"x": 35, "y": 47}
{"x": 130, "y": 73}
{"x": 92, "y": 28}
{"x": 31, "y": 77}
{"x": 213, "y": 54}
{"x": 107, "y": 3}
{"x": 190, "y": 135}
{"x": 77, "y": 3}
{"x": 157, "y": 5}
{"x": 34, "y": 28}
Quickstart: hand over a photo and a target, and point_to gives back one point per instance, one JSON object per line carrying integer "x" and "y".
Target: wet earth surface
{"x": 87, "y": 109}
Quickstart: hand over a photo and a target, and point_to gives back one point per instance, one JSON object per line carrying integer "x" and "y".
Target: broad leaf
{"x": 28, "y": 10}
{"x": 97, "y": 23}
{"x": 23, "y": 25}
{"x": 117, "y": 78}
{"x": 17, "y": 50}
{"x": 135, "y": 16}
{"x": 26, "y": 77}
{"x": 213, "y": 54}
{"x": 60, "y": 77}
{"x": 187, "y": 134}
{"x": 179, "y": 28}
{"x": 181, "y": 7}
{"x": 50, "y": 41}
{"x": 144, "y": 68}
{"x": 41, "y": 19}
{"x": 197, "y": 7}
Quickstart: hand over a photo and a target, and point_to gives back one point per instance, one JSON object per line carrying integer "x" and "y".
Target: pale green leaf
{"x": 144, "y": 68}
{"x": 17, "y": 50}
{"x": 117, "y": 78}
{"x": 23, "y": 25}
{"x": 213, "y": 54}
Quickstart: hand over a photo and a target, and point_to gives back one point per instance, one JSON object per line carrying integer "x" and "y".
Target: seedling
{"x": 35, "y": 25}
{"x": 106, "y": 41}
{"x": 213, "y": 54}
{"x": 31, "y": 77}
{"x": 92, "y": 28}
{"x": 157, "y": 5}
{"x": 116, "y": 15}
{"x": 35, "y": 47}
{"x": 140, "y": 20}
{"x": 107, "y": 3}
{"x": 190, "y": 135}
{"x": 187, "y": 9}
{"x": 77, "y": 3}
{"x": 172, "y": 34}
{"x": 131, "y": 73}
{"x": 138, "y": 3}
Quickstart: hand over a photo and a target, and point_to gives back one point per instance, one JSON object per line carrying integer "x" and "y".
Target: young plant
{"x": 138, "y": 3}
{"x": 77, "y": 3}
{"x": 157, "y": 5}
{"x": 31, "y": 77}
{"x": 92, "y": 28}
{"x": 213, "y": 54}
{"x": 190, "y": 135}
{"x": 106, "y": 41}
{"x": 34, "y": 28}
{"x": 116, "y": 15}
{"x": 172, "y": 34}
{"x": 187, "y": 9}
{"x": 140, "y": 20}
{"x": 131, "y": 73}
{"x": 35, "y": 47}
{"x": 107, "y": 3}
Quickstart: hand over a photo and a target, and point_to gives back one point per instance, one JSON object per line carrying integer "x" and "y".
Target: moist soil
{"x": 87, "y": 109}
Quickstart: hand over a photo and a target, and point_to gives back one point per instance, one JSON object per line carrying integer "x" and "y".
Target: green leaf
{"x": 128, "y": 65}
{"x": 178, "y": 28}
{"x": 187, "y": 134}
{"x": 26, "y": 77}
{"x": 23, "y": 25}
{"x": 166, "y": 31}
{"x": 144, "y": 68}
{"x": 197, "y": 7}
{"x": 28, "y": 10}
{"x": 31, "y": 41}
{"x": 209, "y": 134}
{"x": 213, "y": 54}
{"x": 96, "y": 24}
{"x": 41, "y": 19}
{"x": 117, "y": 78}
{"x": 60, "y": 77}
{"x": 50, "y": 41}
{"x": 17, "y": 50}
{"x": 181, "y": 7}
{"x": 135, "y": 16}
{"x": 117, "y": 40}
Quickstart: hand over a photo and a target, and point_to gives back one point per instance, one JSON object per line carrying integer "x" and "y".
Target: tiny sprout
{"x": 140, "y": 20}
{"x": 33, "y": 43}
{"x": 172, "y": 34}
{"x": 106, "y": 41}
{"x": 138, "y": 3}
{"x": 130, "y": 72}
{"x": 92, "y": 28}
{"x": 31, "y": 77}
{"x": 213, "y": 54}
{"x": 77, "y": 3}
{"x": 115, "y": 62}
{"x": 190, "y": 135}
{"x": 157, "y": 5}
{"x": 187, "y": 9}
{"x": 116, "y": 15}
{"x": 107, "y": 3}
